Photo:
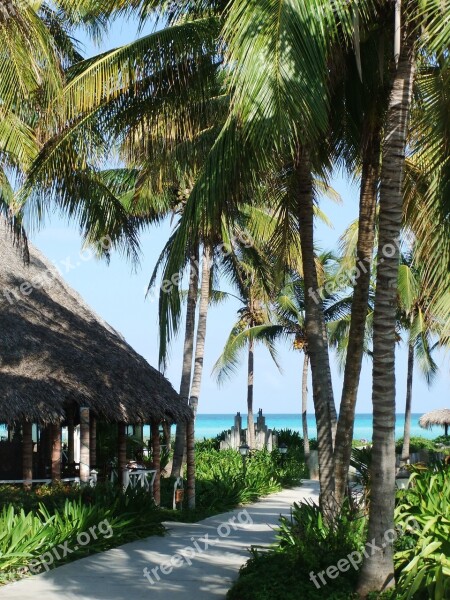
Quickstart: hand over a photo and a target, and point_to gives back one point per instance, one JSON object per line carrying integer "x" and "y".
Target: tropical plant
{"x": 423, "y": 514}
{"x": 306, "y": 546}
{"x": 27, "y": 535}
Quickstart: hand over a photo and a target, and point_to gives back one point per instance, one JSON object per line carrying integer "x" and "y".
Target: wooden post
{"x": 139, "y": 431}
{"x": 93, "y": 441}
{"x": 70, "y": 435}
{"x": 27, "y": 454}
{"x": 121, "y": 450}
{"x": 85, "y": 465}
{"x": 166, "y": 434}
{"x": 190, "y": 462}
{"x": 55, "y": 430}
{"x": 156, "y": 451}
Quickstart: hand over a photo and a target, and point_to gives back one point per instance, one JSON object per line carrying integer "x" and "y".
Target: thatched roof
{"x": 440, "y": 417}
{"x": 55, "y": 350}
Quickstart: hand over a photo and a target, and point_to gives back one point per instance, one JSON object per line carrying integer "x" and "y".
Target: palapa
{"x": 55, "y": 351}
{"x": 440, "y": 417}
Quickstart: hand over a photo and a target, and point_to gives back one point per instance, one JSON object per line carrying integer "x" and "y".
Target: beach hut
{"x": 61, "y": 364}
{"x": 440, "y": 417}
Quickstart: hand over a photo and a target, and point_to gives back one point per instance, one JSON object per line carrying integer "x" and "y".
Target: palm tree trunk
{"x": 250, "y": 418}
{"x": 409, "y": 381}
{"x": 378, "y": 570}
{"x": 156, "y": 453}
{"x": 329, "y": 385}
{"x": 355, "y": 350}
{"x": 315, "y": 326}
{"x": 166, "y": 435}
{"x": 185, "y": 385}
{"x": 190, "y": 461}
{"x": 305, "y": 405}
{"x": 27, "y": 453}
{"x": 201, "y": 330}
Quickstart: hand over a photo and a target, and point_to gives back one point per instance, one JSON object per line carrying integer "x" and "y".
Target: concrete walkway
{"x": 194, "y": 561}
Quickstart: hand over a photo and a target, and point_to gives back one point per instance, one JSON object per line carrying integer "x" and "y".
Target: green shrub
{"x": 289, "y": 437}
{"x": 222, "y": 482}
{"x": 27, "y": 534}
{"x": 442, "y": 439}
{"x": 52, "y": 496}
{"x": 305, "y": 544}
{"x": 423, "y": 512}
{"x": 416, "y": 444}
{"x": 207, "y": 444}
{"x": 283, "y": 576}
{"x": 318, "y": 543}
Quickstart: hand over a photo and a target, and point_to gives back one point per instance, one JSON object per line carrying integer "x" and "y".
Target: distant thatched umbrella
{"x": 56, "y": 352}
{"x": 439, "y": 417}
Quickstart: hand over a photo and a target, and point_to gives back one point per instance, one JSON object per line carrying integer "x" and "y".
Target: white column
{"x": 85, "y": 467}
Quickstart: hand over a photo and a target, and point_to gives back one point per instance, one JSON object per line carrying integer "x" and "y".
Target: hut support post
{"x": 156, "y": 451}
{"x": 56, "y": 451}
{"x": 122, "y": 451}
{"x": 85, "y": 466}
{"x": 93, "y": 442}
{"x": 190, "y": 462}
{"x": 70, "y": 436}
{"x": 44, "y": 451}
{"x": 166, "y": 433}
{"x": 139, "y": 432}
{"x": 27, "y": 454}
{"x": 446, "y": 429}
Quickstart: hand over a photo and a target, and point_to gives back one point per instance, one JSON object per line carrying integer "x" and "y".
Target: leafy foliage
{"x": 26, "y": 535}
{"x": 424, "y": 512}
{"x": 306, "y": 544}
{"x": 416, "y": 444}
{"x": 222, "y": 481}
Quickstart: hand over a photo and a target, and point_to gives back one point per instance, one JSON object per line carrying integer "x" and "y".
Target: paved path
{"x": 118, "y": 574}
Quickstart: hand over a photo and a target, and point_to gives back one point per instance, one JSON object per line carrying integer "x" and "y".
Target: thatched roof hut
{"x": 440, "y": 417}
{"x": 55, "y": 351}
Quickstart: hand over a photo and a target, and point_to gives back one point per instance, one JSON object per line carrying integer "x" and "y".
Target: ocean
{"x": 208, "y": 426}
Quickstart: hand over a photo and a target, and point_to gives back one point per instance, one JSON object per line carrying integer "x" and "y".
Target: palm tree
{"x": 205, "y": 293}
{"x": 289, "y": 316}
{"x": 422, "y": 29}
{"x": 360, "y": 96}
{"x": 246, "y": 268}
{"x": 422, "y": 329}
{"x": 35, "y": 44}
{"x": 290, "y": 313}
{"x": 186, "y": 49}
{"x": 378, "y": 572}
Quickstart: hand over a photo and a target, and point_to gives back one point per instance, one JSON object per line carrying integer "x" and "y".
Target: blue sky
{"x": 117, "y": 293}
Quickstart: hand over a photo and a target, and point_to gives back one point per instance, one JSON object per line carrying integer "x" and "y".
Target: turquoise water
{"x": 207, "y": 426}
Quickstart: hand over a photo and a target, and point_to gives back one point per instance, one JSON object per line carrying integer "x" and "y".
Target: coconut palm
{"x": 361, "y": 97}
{"x": 247, "y": 268}
{"x": 35, "y": 44}
{"x": 103, "y": 88}
{"x": 205, "y": 294}
{"x": 377, "y": 571}
{"x": 422, "y": 330}
{"x": 38, "y": 47}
